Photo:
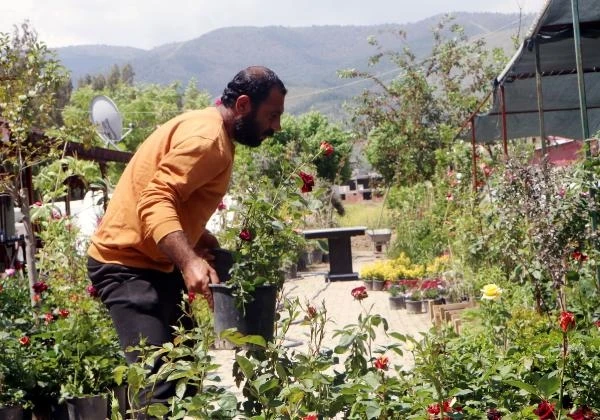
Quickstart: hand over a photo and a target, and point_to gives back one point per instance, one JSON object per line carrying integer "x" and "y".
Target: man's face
{"x": 261, "y": 122}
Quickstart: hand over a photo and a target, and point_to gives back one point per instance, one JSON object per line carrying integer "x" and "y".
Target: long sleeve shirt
{"x": 175, "y": 181}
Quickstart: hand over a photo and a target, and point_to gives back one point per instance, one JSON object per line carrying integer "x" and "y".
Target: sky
{"x": 150, "y": 23}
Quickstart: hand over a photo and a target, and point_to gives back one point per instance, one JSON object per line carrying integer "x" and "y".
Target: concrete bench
{"x": 340, "y": 250}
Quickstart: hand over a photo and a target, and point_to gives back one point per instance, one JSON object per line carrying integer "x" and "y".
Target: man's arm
{"x": 197, "y": 272}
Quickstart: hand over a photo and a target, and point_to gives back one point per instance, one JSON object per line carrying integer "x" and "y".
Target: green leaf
{"x": 530, "y": 389}
{"x": 549, "y": 385}
{"x": 158, "y": 410}
{"x": 246, "y": 365}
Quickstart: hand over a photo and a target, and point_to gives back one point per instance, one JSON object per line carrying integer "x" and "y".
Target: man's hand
{"x": 197, "y": 272}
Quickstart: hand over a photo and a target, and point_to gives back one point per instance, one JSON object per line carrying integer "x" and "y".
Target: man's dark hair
{"x": 256, "y": 82}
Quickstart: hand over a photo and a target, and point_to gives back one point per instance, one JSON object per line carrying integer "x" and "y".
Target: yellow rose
{"x": 491, "y": 292}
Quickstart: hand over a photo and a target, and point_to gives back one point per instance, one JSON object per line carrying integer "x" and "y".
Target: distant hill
{"x": 306, "y": 58}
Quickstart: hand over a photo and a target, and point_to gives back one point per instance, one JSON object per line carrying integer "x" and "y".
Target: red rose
{"x": 39, "y": 287}
{"x": 382, "y": 363}
{"x": 582, "y": 413}
{"x": 221, "y": 206}
{"x": 308, "y": 180}
{"x": 597, "y": 323}
{"x": 327, "y": 148}
{"x": 63, "y": 313}
{"x": 311, "y": 311}
{"x": 24, "y": 341}
{"x": 545, "y": 411}
{"x": 494, "y": 414}
{"x": 311, "y": 416}
{"x": 567, "y": 321}
{"x": 245, "y": 235}
{"x": 92, "y": 291}
{"x": 359, "y": 293}
{"x": 579, "y": 256}
{"x": 191, "y": 296}
{"x": 433, "y": 409}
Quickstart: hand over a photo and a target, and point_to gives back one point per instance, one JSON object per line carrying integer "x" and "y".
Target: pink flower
{"x": 191, "y": 297}
{"x": 38, "y": 204}
{"x": 218, "y": 102}
{"x": 245, "y": 235}
{"x": 449, "y": 197}
{"x": 56, "y": 214}
{"x": 382, "y": 363}
{"x": 10, "y": 272}
{"x": 311, "y": 416}
{"x": 562, "y": 192}
{"x": 359, "y": 293}
{"x": 545, "y": 411}
{"x": 327, "y": 148}
{"x": 308, "y": 181}
{"x": 92, "y": 291}
{"x": 48, "y": 318}
{"x": 567, "y": 321}
{"x": 222, "y": 206}
{"x": 40, "y": 287}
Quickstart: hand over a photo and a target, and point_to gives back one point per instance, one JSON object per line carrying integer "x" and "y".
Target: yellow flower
{"x": 410, "y": 346}
{"x": 491, "y": 292}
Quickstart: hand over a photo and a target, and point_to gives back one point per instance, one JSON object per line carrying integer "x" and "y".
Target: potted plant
{"x": 414, "y": 303}
{"x": 378, "y": 281}
{"x": 264, "y": 238}
{"x": 397, "y": 298}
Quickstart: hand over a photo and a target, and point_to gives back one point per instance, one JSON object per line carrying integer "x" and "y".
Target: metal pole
{"x": 474, "y": 154}
{"x": 540, "y": 97}
{"x": 583, "y": 112}
{"x": 504, "y": 130}
{"x": 580, "y": 76}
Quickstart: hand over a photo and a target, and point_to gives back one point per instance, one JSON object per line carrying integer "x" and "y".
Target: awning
{"x": 552, "y": 33}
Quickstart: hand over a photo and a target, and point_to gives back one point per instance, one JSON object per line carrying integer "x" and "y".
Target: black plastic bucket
{"x": 257, "y": 319}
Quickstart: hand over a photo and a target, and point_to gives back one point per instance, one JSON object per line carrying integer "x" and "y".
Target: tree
{"x": 418, "y": 112}
{"x": 127, "y": 74}
{"x": 193, "y": 98}
{"x": 31, "y": 77}
{"x": 113, "y": 78}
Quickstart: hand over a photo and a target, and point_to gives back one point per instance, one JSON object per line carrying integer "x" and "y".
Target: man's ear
{"x": 243, "y": 105}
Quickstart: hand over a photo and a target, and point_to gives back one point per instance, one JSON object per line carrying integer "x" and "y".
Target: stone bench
{"x": 340, "y": 250}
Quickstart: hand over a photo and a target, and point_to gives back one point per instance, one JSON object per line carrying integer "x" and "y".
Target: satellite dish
{"x": 107, "y": 119}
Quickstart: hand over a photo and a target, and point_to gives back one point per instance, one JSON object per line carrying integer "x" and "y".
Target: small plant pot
{"x": 368, "y": 284}
{"x": 378, "y": 285}
{"x": 397, "y": 302}
{"x": 414, "y": 306}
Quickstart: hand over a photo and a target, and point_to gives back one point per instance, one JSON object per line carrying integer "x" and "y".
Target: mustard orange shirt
{"x": 175, "y": 181}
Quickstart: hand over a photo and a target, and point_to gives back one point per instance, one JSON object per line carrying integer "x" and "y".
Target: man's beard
{"x": 247, "y": 131}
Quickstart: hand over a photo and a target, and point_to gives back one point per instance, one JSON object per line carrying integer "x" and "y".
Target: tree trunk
{"x": 29, "y": 244}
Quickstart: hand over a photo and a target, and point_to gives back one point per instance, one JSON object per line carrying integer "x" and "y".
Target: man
{"x": 152, "y": 245}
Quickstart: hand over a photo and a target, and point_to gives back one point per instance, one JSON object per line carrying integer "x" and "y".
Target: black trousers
{"x": 142, "y": 303}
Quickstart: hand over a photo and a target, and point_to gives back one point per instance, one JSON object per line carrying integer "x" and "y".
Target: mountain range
{"x": 306, "y": 58}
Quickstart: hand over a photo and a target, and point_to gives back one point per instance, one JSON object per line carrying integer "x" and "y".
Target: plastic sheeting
{"x": 553, "y": 33}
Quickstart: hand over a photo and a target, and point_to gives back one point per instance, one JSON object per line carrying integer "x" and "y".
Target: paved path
{"x": 341, "y": 308}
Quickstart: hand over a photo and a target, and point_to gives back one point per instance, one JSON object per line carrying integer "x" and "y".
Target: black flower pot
{"x": 414, "y": 306}
{"x": 258, "y": 318}
{"x": 397, "y": 302}
{"x": 12, "y": 413}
